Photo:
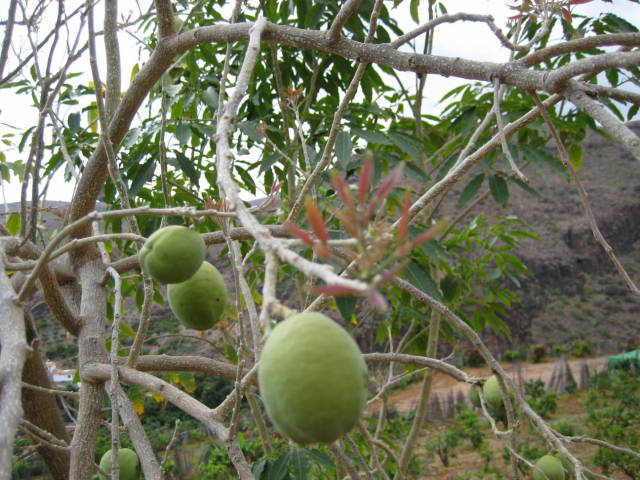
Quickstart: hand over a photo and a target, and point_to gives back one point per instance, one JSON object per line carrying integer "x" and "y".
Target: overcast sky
{"x": 464, "y": 39}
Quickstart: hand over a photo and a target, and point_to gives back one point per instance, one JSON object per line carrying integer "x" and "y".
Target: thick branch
{"x": 166, "y": 23}
{"x": 12, "y": 357}
{"x": 614, "y": 127}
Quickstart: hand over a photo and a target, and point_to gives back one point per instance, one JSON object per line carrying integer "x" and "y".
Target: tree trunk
{"x": 41, "y": 409}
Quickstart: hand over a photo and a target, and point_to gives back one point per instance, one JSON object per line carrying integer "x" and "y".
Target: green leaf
{"x": 576, "y": 156}
{"x": 186, "y": 165}
{"x": 299, "y": 463}
{"x": 188, "y": 381}
{"x": 450, "y": 288}
{"x": 371, "y": 136}
{"x": 210, "y": 97}
{"x": 413, "y": 8}
{"x": 499, "y": 189}
{"x": 470, "y": 190}
{"x": 5, "y": 174}
{"x": 526, "y": 187}
{"x": 144, "y": 174}
{"x": 540, "y": 156}
{"x": 230, "y": 353}
{"x": 126, "y": 330}
{"x": 258, "y": 468}
{"x": 343, "y": 149}
{"x": 320, "y": 457}
{"x": 346, "y": 306}
{"x": 420, "y": 278}
{"x": 406, "y": 144}
{"x": 247, "y": 179}
{"x": 13, "y": 223}
{"x": 250, "y": 130}
{"x": 279, "y": 468}
{"x": 183, "y": 133}
{"x": 74, "y": 122}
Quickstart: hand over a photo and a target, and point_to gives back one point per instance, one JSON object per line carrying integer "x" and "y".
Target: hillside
{"x": 574, "y": 292}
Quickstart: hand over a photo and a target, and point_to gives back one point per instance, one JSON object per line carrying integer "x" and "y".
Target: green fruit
{"x": 313, "y": 379}
{"x": 128, "y": 464}
{"x": 548, "y": 468}
{"x": 492, "y": 393}
{"x": 200, "y": 301}
{"x": 474, "y": 396}
{"x": 566, "y": 465}
{"x": 172, "y": 254}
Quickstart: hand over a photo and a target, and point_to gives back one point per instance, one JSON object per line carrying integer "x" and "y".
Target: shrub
{"x": 543, "y": 402}
{"x": 580, "y": 348}
{"x": 511, "y": 356}
{"x": 472, "y": 358}
{"x": 537, "y": 352}
{"x": 565, "y": 428}
{"x": 558, "y": 349}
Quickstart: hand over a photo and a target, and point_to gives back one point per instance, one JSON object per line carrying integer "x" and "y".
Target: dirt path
{"x": 405, "y": 400}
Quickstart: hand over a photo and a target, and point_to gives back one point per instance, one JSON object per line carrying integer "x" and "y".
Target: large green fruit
{"x": 474, "y": 396}
{"x": 128, "y": 464}
{"x": 548, "y": 468}
{"x": 313, "y": 378}
{"x": 200, "y": 301}
{"x": 172, "y": 254}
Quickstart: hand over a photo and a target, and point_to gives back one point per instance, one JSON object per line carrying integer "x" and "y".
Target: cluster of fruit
{"x": 312, "y": 376}
{"x": 547, "y": 467}
{"x": 197, "y": 293}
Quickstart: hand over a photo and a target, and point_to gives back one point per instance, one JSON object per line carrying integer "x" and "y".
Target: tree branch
{"x": 614, "y": 127}
{"x": 348, "y": 8}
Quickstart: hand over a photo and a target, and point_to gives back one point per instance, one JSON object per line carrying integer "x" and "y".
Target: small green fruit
{"x": 548, "y": 468}
{"x": 200, "y": 301}
{"x": 474, "y": 396}
{"x": 492, "y": 393}
{"x": 313, "y": 379}
{"x": 128, "y": 464}
{"x": 172, "y": 254}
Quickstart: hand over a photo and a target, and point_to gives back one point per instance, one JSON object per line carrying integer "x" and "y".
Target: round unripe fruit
{"x": 313, "y": 379}
{"x": 474, "y": 396}
{"x": 200, "y": 301}
{"x": 548, "y": 468}
{"x": 492, "y": 394}
{"x": 172, "y": 254}
{"x": 566, "y": 465}
{"x": 128, "y": 464}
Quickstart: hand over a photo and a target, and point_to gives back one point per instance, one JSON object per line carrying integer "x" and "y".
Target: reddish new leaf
{"x": 403, "y": 226}
{"x": 342, "y": 189}
{"x": 322, "y": 250}
{"x": 566, "y": 14}
{"x": 391, "y": 273}
{"x": 335, "y": 290}
{"x": 578, "y": 2}
{"x": 426, "y": 236}
{"x": 314, "y": 217}
{"x": 385, "y": 187}
{"x": 347, "y": 223}
{"x": 365, "y": 178}
{"x": 297, "y": 232}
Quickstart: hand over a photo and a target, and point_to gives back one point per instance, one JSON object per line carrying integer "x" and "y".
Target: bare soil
{"x": 405, "y": 400}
